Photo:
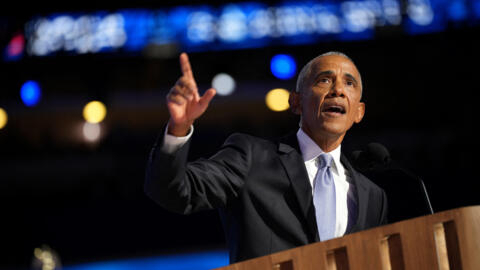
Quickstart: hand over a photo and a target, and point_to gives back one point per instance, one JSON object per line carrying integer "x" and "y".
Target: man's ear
{"x": 294, "y": 100}
{"x": 360, "y": 112}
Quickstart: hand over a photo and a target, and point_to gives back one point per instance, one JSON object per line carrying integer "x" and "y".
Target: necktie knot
{"x": 325, "y": 160}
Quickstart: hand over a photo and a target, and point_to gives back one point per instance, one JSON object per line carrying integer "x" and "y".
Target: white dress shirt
{"x": 344, "y": 191}
{"x": 173, "y": 143}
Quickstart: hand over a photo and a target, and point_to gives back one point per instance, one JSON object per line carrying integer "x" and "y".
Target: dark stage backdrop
{"x": 87, "y": 202}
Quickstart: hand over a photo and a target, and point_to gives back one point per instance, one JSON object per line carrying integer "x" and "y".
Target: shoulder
{"x": 245, "y": 149}
{"x": 250, "y": 140}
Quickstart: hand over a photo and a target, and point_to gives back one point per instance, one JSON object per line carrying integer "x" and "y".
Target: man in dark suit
{"x": 266, "y": 191}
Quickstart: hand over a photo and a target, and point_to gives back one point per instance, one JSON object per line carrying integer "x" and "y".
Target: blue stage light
{"x": 30, "y": 93}
{"x": 425, "y": 16}
{"x": 476, "y": 9}
{"x": 283, "y": 66}
{"x": 457, "y": 10}
{"x": 239, "y": 25}
{"x": 198, "y": 261}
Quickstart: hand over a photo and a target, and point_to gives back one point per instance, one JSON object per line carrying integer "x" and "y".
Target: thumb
{"x": 207, "y": 97}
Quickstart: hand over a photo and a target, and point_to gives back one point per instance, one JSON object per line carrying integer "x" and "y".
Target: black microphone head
{"x": 356, "y": 155}
{"x": 378, "y": 153}
{"x": 360, "y": 160}
{"x": 374, "y": 157}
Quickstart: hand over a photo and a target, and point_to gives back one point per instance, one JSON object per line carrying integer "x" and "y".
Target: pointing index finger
{"x": 185, "y": 66}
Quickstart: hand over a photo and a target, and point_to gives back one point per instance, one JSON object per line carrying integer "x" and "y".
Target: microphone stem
{"x": 427, "y": 199}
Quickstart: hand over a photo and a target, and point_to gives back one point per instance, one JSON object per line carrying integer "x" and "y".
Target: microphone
{"x": 375, "y": 158}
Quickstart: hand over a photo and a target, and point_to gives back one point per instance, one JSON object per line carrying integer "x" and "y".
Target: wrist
{"x": 178, "y": 130}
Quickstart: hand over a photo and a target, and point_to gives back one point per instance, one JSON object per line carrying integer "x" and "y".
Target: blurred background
{"x": 82, "y": 101}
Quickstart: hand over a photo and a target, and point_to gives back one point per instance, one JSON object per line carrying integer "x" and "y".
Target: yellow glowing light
{"x": 277, "y": 99}
{"x": 46, "y": 258}
{"x": 3, "y": 118}
{"x": 94, "y": 112}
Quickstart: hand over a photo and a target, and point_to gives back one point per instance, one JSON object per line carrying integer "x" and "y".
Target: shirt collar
{"x": 310, "y": 150}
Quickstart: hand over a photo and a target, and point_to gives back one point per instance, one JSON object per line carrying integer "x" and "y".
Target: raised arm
{"x": 184, "y": 102}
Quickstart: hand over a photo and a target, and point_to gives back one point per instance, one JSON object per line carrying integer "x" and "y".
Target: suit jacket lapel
{"x": 292, "y": 160}
{"x": 361, "y": 195}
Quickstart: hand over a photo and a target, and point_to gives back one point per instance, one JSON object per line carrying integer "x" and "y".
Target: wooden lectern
{"x": 446, "y": 240}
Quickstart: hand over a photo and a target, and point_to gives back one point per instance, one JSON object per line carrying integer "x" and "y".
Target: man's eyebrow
{"x": 326, "y": 72}
{"x": 330, "y": 72}
{"x": 351, "y": 77}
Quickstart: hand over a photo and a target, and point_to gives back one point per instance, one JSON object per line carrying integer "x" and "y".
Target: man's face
{"x": 330, "y": 98}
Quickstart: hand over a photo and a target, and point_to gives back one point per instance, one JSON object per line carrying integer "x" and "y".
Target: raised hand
{"x": 184, "y": 102}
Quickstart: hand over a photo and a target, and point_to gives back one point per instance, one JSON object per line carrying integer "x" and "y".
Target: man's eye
{"x": 350, "y": 83}
{"x": 324, "y": 80}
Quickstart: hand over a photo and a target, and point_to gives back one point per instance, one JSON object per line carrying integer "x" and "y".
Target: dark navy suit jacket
{"x": 261, "y": 189}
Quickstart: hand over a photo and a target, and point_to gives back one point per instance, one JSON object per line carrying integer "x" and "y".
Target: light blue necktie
{"x": 324, "y": 198}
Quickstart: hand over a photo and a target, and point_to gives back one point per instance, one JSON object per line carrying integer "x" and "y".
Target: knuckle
{"x": 177, "y": 90}
{"x": 176, "y": 99}
{"x": 171, "y": 94}
{"x": 183, "y": 80}
{"x": 186, "y": 82}
{"x": 180, "y": 82}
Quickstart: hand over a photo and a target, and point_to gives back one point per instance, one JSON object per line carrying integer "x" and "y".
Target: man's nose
{"x": 337, "y": 90}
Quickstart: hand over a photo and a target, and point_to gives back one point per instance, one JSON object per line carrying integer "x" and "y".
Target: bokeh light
{"x": 94, "y": 112}
{"x": 91, "y": 131}
{"x": 45, "y": 258}
{"x": 3, "y": 118}
{"x": 30, "y": 93}
{"x": 457, "y": 10}
{"x": 277, "y": 99}
{"x": 224, "y": 84}
{"x": 15, "y": 47}
{"x": 283, "y": 66}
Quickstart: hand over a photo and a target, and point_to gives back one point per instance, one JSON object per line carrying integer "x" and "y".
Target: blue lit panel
{"x": 426, "y": 16}
{"x": 197, "y": 261}
{"x": 359, "y": 19}
{"x": 233, "y": 26}
{"x": 136, "y": 28}
{"x": 241, "y": 25}
{"x": 457, "y": 10}
{"x": 476, "y": 9}
{"x": 76, "y": 33}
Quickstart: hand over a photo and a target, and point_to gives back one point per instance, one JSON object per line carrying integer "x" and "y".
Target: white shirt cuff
{"x": 172, "y": 143}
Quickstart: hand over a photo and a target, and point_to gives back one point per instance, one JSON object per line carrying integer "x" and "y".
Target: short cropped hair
{"x": 305, "y": 72}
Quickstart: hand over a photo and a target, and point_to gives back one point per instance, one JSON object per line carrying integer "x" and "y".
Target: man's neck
{"x": 326, "y": 142}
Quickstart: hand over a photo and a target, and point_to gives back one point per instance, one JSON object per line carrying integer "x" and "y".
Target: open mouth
{"x": 334, "y": 109}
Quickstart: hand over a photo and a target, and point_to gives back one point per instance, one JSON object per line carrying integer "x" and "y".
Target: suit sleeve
{"x": 185, "y": 187}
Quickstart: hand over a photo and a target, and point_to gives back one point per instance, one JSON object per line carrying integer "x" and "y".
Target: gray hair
{"x": 305, "y": 72}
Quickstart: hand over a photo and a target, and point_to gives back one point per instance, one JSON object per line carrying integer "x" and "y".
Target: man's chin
{"x": 334, "y": 130}
{"x": 326, "y": 128}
